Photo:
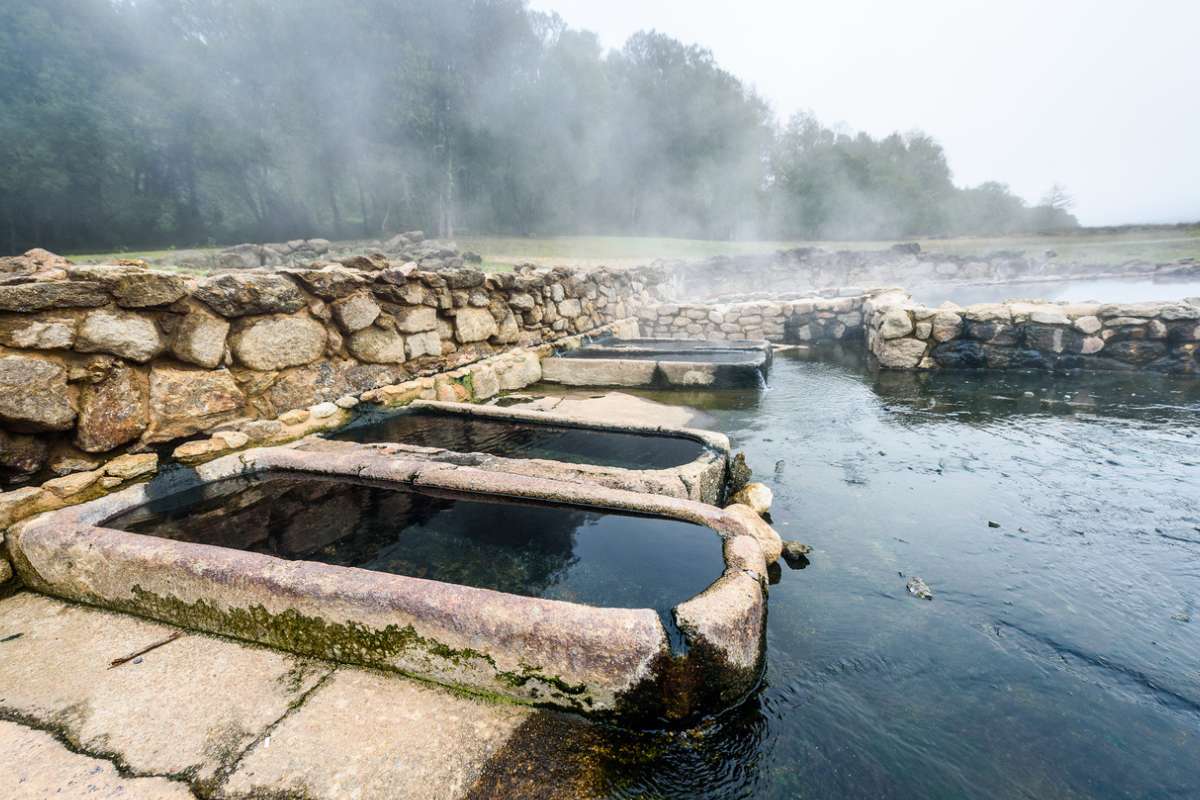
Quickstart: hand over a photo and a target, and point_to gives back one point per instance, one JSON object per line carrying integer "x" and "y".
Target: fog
{"x": 1098, "y": 96}
{"x": 137, "y": 124}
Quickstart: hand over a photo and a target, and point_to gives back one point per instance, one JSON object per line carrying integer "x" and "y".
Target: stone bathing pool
{"x": 538, "y": 591}
{"x": 662, "y": 363}
{"x": 677, "y": 462}
{"x": 1060, "y": 656}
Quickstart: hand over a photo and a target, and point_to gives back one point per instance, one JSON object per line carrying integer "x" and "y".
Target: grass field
{"x": 501, "y": 253}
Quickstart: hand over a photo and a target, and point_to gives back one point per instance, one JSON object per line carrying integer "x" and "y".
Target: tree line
{"x": 140, "y": 123}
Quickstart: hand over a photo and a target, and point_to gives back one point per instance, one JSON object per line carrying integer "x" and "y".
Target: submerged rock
{"x": 756, "y": 495}
{"x": 796, "y": 554}
{"x": 918, "y": 588}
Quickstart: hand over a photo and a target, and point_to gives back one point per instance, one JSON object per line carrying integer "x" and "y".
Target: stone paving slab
{"x": 33, "y": 766}
{"x": 373, "y": 737}
{"x": 186, "y": 709}
{"x": 230, "y": 720}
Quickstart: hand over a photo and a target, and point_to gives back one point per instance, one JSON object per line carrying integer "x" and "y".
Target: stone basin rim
{"x": 606, "y": 661}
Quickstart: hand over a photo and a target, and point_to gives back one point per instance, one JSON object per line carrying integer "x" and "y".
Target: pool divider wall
{"x": 702, "y": 479}
{"x": 604, "y": 661}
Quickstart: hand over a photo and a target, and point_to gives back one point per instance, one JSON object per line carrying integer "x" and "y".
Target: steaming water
{"x": 1060, "y": 656}
{"x": 558, "y": 552}
{"x": 1081, "y": 291}
{"x": 523, "y": 440}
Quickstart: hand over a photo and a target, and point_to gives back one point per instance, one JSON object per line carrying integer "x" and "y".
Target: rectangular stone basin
{"x": 602, "y": 601}
{"x": 680, "y": 462}
{"x": 662, "y": 363}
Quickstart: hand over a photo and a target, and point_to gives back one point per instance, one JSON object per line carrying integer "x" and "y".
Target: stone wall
{"x": 813, "y": 319}
{"x": 95, "y": 360}
{"x": 803, "y": 270}
{"x": 1163, "y": 337}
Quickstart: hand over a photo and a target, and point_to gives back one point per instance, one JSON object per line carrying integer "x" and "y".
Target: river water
{"x": 1060, "y": 656}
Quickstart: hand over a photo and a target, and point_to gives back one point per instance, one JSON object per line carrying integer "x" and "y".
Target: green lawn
{"x": 501, "y": 253}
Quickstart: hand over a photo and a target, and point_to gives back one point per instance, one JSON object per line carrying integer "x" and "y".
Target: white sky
{"x": 1101, "y": 96}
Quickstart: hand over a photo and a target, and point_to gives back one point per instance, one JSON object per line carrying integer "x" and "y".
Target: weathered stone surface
{"x": 200, "y": 338}
{"x": 74, "y": 484}
{"x": 174, "y": 712}
{"x": 132, "y": 465}
{"x": 133, "y": 287}
{"x": 330, "y": 283}
{"x": 474, "y": 325}
{"x": 960, "y": 354}
{"x": 21, "y": 455}
{"x": 378, "y": 346}
{"x": 29, "y": 297}
{"x": 123, "y": 334}
{"x": 37, "y": 766}
{"x": 37, "y": 332}
{"x": 330, "y": 749}
{"x": 355, "y": 312}
{"x": 113, "y": 411}
{"x": 278, "y": 342}
{"x": 423, "y": 344}
{"x": 484, "y": 382}
{"x": 242, "y": 294}
{"x": 895, "y": 323}
{"x": 756, "y": 495}
{"x": 1135, "y": 351}
{"x": 899, "y": 353}
{"x": 187, "y": 401}
{"x": 415, "y": 319}
{"x": 1088, "y": 324}
{"x": 34, "y": 395}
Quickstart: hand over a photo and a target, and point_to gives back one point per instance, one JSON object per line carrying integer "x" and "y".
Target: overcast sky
{"x": 1101, "y": 96}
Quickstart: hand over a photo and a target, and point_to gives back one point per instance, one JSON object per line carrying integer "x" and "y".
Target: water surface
{"x": 537, "y": 550}
{"x": 513, "y": 439}
{"x": 1060, "y": 657}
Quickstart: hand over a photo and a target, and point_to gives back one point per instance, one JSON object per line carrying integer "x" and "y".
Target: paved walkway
{"x": 208, "y": 717}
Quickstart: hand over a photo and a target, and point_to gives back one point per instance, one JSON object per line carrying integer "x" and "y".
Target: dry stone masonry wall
{"x": 813, "y": 319}
{"x": 99, "y": 359}
{"x": 1163, "y": 337}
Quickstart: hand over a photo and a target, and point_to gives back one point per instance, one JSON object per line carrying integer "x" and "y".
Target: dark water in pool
{"x": 1060, "y": 657}
{"x": 518, "y": 440}
{"x": 1110, "y": 290}
{"x": 688, "y": 356}
{"x": 557, "y": 552}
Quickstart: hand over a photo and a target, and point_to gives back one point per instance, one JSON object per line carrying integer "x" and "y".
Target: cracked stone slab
{"x": 37, "y": 766}
{"x": 377, "y": 737}
{"x": 188, "y": 708}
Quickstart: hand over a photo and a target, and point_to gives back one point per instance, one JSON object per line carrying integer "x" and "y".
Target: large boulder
{"x": 28, "y": 297}
{"x": 122, "y": 334}
{"x": 200, "y": 338}
{"x": 895, "y": 324}
{"x": 34, "y": 395}
{"x": 474, "y": 325}
{"x": 113, "y": 411}
{"x": 280, "y": 341}
{"x": 243, "y": 294}
{"x": 187, "y": 401}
